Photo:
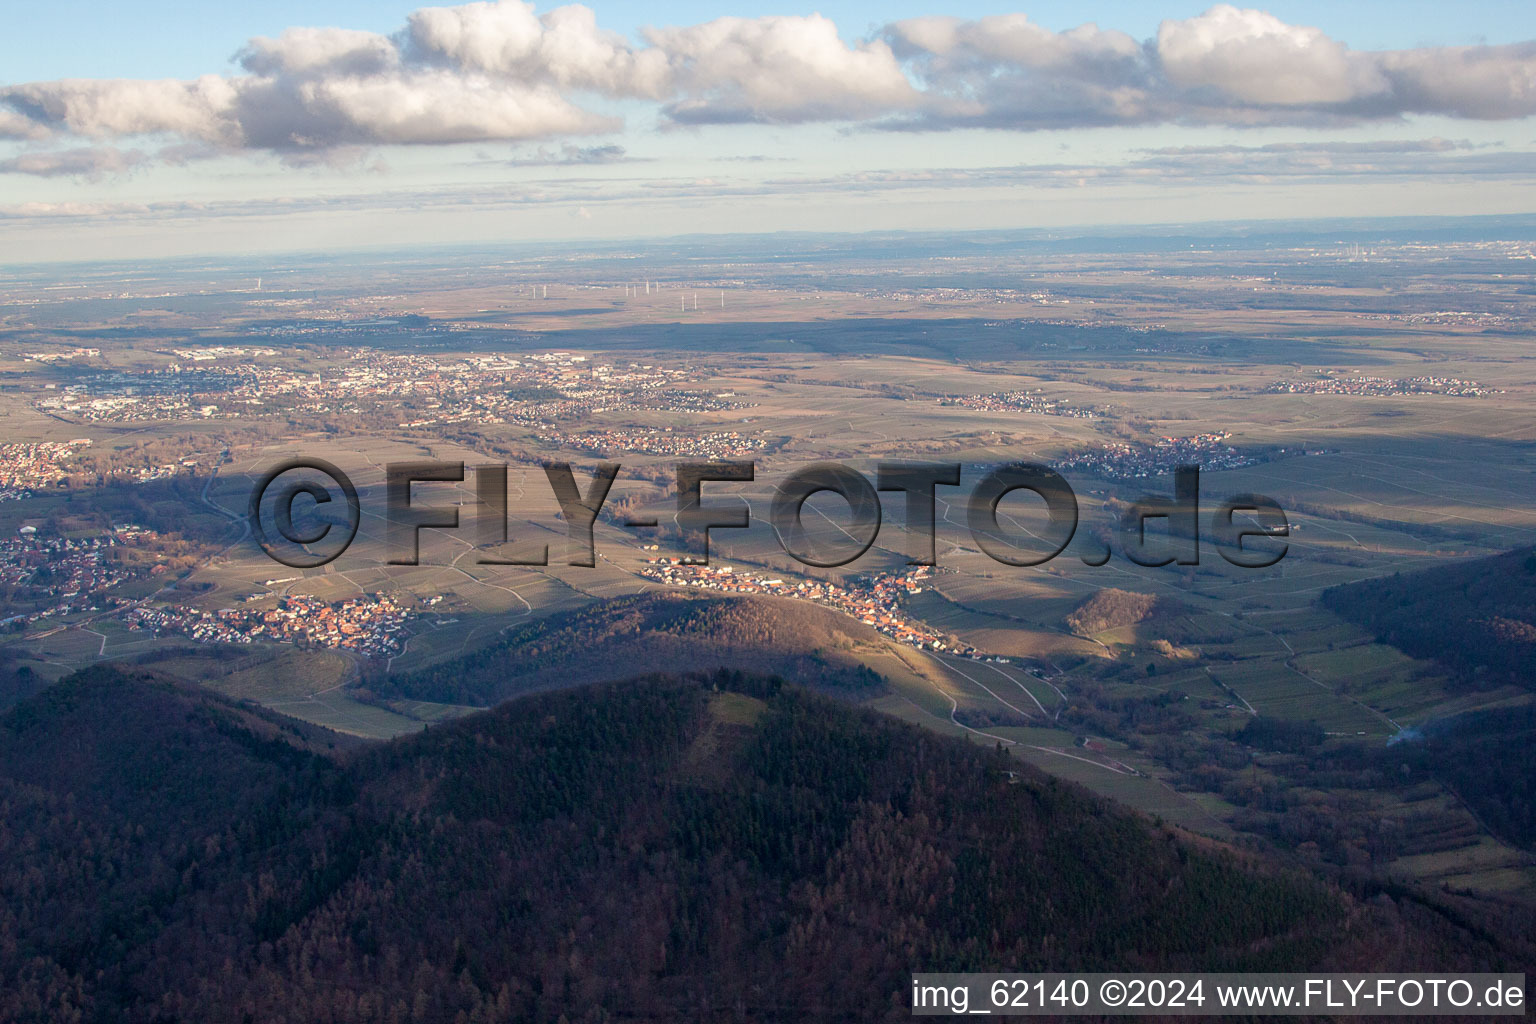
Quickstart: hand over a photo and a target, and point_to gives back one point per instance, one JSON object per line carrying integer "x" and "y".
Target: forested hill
{"x": 654, "y": 632}
{"x": 673, "y": 848}
{"x": 1111, "y": 609}
{"x": 1477, "y": 616}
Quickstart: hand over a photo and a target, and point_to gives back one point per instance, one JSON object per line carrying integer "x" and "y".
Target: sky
{"x": 143, "y": 129}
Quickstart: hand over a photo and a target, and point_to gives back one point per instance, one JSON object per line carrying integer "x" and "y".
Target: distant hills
{"x": 1477, "y": 617}
{"x": 671, "y": 848}
{"x": 654, "y": 632}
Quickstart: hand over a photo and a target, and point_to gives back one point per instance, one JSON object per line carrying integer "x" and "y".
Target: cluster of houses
{"x": 1456, "y": 317}
{"x": 873, "y": 600}
{"x": 210, "y": 353}
{"x": 168, "y": 393}
{"x": 1122, "y": 460}
{"x": 1019, "y": 401}
{"x": 1382, "y": 387}
{"x": 27, "y": 467}
{"x": 537, "y": 391}
{"x": 717, "y": 444}
{"x": 373, "y": 625}
{"x": 62, "y": 355}
{"x": 61, "y": 575}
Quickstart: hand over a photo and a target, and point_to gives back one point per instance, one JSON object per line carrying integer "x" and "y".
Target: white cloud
{"x": 1014, "y": 39}
{"x": 1253, "y": 57}
{"x": 418, "y": 108}
{"x": 316, "y": 51}
{"x": 569, "y": 155}
{"x": 1486, "y": 82}
{"x": 101, "y": 108}
{"x": 480, "y": 72}
{"x": 1227, "y": 66}
{"x": 16, "y": 125}
{"x": 564, "y": 47}
{"x": 1006, "y": 71}
{"x": 500, "y": 71}
{"x": 90, "y": 162}
{"x": 779, "y": 69}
